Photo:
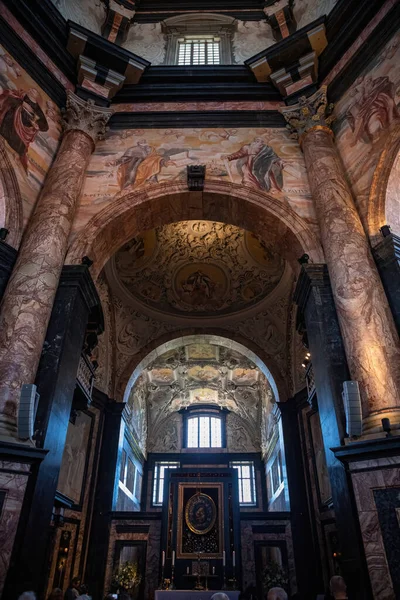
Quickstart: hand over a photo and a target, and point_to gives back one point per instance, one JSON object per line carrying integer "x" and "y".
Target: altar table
{"x": 193, "y": 594}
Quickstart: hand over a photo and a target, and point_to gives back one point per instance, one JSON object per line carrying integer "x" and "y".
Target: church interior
{"x": 200, "y": 299}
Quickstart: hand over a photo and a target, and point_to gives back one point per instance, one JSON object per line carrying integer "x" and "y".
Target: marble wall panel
{"x": 376, "y": 485}
{"x": 13, "y": 481}
{"x": 248, "y": 537}
{"x": 152, "y": 557}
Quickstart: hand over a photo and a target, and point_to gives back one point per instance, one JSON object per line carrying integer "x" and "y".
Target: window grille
{"x": 199, "y": 51}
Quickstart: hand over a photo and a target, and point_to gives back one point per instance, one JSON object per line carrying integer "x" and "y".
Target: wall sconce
{"x": 385, "y": 230}
{"x": 303, "y": 260}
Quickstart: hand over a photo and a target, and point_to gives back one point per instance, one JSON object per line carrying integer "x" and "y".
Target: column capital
{"x": 309, "y": 114}
{"x": 84, "y": 115}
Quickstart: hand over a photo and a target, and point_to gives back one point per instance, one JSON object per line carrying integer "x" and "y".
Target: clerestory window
{"x": 199, "y": 51}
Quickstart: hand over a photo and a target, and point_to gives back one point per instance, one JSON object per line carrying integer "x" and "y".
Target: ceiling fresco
{"x": 198, "y": 268}
{"x": 199, "y": 374}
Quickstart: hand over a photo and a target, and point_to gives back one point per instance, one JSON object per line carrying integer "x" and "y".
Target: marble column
{"x": 27, "y": 303}
{"x": 369, "y": 334}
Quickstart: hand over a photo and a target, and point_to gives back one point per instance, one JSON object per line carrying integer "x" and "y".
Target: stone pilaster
{"x": 28, "y": 299}
{"x": 368, "y": 330}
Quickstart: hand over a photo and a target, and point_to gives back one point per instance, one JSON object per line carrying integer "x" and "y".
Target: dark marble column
{"x": 369, "y": 334}
{"x": 105, "y": 498}
{"x": 56, "y": 380}
{"x": 387, "y": 258}
{"x": 308, "y": 568}
{"x": 8, "y": 256}
{"x": 27, "y": 303}
{"x": 314, "y": 297}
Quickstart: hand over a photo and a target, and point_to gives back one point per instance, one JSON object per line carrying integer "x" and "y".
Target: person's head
{"x": 219, "y": 596}
{"x": 83, "y": 589}
{"x": 277, "y": 593}
{"x": 56, "y": 594}
{"x": 75, "y": 582}
{"x": 27, "y": 596}
{"x": 338, "y": 587}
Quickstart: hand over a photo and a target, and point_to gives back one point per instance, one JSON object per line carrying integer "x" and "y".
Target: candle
{"x": 223, "y": 559}
{"x": 163, "y": 558}
{"x": 187, "y": 570}
{"x": 234, "y": 559}
{"x": 173, "y": 558}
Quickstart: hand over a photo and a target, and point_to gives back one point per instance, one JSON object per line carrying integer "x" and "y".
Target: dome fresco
{"x": 198, "y": 268}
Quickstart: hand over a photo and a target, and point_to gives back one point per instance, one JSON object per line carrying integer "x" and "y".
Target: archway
{"x": 10, "y": 200}
{"x": 265, "y": 215}
{"x": 382, "y": 205}
{"x": 218, "y": 337}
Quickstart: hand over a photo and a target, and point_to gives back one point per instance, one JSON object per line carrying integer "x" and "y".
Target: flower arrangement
{"x": 274, "y": 576}
{"x": 127, "y": 576}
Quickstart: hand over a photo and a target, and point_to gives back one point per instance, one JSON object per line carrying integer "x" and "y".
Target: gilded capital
{"x": 310, "y": 113}
{"x": 84, "y": 115}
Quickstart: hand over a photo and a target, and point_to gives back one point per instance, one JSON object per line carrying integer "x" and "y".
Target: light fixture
{"x": 385, "y": 230}
{"x": 303, "y": 260}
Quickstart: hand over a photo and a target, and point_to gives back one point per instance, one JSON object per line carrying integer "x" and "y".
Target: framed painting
{"x": 200, "y": 529}
{"x": 71, "y": 482}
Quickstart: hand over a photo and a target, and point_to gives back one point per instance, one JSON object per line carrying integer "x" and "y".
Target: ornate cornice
{"x": 84, "y": 115}
{"x": 309, "y": 114}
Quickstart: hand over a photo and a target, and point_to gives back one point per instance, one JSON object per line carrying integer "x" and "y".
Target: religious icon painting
{"x": 200, "y": 521}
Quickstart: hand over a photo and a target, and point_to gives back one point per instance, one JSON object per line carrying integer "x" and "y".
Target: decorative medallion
{"x": 200, "y": 513}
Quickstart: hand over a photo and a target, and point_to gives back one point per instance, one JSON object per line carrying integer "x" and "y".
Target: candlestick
{"x": 163, "y": 558}
{"x": 173, "y": 558}
{"x": 233, "y": 559}
{"x": 187, "y": 570}
{"x": 223, "y": 559}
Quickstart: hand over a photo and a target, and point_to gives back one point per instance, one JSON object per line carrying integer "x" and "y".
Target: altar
{"x": 193, "y": 594}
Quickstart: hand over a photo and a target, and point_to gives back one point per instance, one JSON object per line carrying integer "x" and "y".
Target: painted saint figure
{"x": 21, "y": 118}
{"x": 140, "y": 164}
{"x": 259, "y": 165}
{"x": 373, "y": 109}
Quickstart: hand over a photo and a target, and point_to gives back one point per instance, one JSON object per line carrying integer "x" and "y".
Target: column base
{"x": 373, "y": 423}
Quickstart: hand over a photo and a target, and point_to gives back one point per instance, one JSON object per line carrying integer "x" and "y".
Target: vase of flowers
{"x": 274, "y": 576}
{"x": 126, "y": 579}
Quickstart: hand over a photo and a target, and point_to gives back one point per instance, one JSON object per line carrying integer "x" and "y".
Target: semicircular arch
{"x": 10, "y": 200}
{"x": 379, "y": 199}
{"x": 219, "y": 337}
{"x": 128, "y": 215}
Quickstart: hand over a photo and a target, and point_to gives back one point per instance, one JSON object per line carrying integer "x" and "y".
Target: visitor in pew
{"x": 56, "y": 594}
{"x": 84, "y": 593}
{"x": 27, "y": 596}
{"x": 73, "y": 590}
{"x": 277, "y": 593}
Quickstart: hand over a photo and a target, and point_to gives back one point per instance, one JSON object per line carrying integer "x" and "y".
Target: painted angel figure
{"x": 259, "y": 165}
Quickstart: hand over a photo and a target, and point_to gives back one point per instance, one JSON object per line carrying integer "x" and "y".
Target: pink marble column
{"x": 369, "y": 334}
{"x": 27, "y": 303}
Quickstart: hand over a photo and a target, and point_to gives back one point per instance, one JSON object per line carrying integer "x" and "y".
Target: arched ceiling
{"x": 197, "y": 268}
{"x": 195, "y": 374}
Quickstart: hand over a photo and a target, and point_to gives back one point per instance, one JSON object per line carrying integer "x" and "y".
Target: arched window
{"x": 204, "y": 427}
{"x": 203, "y": 39}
